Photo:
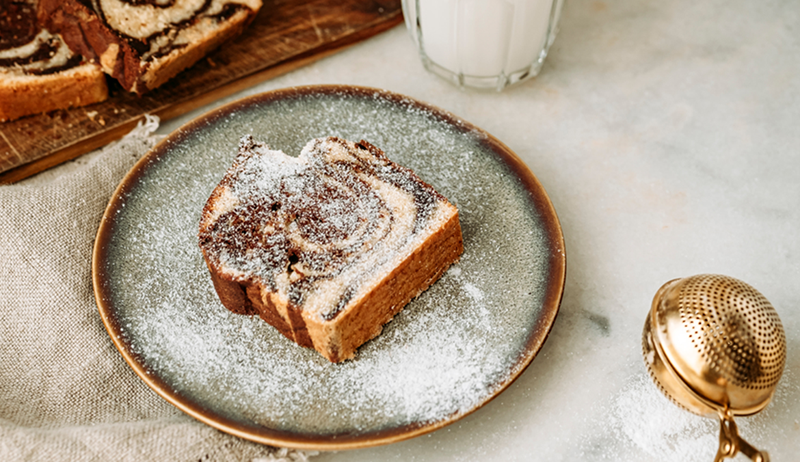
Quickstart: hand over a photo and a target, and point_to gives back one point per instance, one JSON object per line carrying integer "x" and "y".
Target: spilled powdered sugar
{"x": 644, "y": 421}
{"x": 446, "y": 353}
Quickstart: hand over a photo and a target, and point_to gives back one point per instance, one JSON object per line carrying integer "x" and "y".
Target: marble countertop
{"x": 665, "y": 134}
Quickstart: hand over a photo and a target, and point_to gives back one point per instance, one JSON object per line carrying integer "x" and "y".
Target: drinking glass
{"x": 483, "y": 43}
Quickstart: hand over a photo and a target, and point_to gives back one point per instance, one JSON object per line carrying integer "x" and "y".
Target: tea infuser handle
{"x": 731, "y": 443}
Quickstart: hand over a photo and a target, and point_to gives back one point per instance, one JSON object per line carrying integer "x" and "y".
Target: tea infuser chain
{"x": 730, "y": 443}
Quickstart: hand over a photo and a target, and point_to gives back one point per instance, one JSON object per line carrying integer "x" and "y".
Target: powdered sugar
{"x": 276, "y": 165}
{"x": 449, "y": 351}
{"x": 642, "y": 418}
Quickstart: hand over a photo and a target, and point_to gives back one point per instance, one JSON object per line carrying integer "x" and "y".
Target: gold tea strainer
{"x": 716, "y": 347}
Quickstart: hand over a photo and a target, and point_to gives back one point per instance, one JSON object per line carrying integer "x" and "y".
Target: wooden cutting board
{"x": 285, "y": 35}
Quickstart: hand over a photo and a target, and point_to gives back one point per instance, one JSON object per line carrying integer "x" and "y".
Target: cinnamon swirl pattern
{"x": 143, "y": 43}
{"x": 322, "y": 233}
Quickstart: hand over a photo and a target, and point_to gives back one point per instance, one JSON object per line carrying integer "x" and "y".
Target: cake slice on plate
{"x": 327, "y": 247}
{"x": 144, "y": 43}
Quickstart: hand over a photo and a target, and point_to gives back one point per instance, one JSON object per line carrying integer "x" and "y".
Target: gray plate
{"x": 451, "y": 350}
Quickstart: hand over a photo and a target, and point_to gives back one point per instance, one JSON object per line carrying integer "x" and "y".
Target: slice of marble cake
{"x": 144, "y": 43}
{"x": 327, "y": 247}
{"x": 38, "y": 72}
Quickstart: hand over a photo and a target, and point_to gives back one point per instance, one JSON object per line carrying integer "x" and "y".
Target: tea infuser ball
{"x": 716, "y": 347}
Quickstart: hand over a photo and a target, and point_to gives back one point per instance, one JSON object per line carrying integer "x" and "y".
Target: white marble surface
{"x": 666, "y": 134}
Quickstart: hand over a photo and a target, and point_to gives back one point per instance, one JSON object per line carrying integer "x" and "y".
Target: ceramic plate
{"x": 450, "y": 351}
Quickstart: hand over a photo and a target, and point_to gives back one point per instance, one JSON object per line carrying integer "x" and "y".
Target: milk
{"x": 485, "y": 43}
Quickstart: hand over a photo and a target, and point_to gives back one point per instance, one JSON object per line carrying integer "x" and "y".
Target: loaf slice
{"x": 38, "y": 72}
{"x": 144, "y": 43}
{"x": 327, "y": 247}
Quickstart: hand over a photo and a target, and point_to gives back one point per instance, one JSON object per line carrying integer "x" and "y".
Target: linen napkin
{"x": 65, "y": 392}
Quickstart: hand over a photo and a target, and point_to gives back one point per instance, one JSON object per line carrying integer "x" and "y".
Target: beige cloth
{"x": 66, "y": 394}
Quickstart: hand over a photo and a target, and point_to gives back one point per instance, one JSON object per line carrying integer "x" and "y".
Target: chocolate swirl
{"x": 313, "y": 228}
{"x": 26, "y": 48}
{"x": 17, "y": 23}
{"x": 156, "y": 27}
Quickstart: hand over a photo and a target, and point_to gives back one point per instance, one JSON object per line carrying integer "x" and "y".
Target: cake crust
{"x": 326, "y": 280}
{"x": 26, "y": 95}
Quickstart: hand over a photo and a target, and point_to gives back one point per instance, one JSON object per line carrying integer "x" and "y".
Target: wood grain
{"x": 284, "y": 36}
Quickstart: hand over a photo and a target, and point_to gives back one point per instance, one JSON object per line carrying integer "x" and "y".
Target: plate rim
{"x": 540, "y": 330}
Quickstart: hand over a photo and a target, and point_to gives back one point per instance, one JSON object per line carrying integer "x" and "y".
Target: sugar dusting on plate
{"x": 445, "y": 354}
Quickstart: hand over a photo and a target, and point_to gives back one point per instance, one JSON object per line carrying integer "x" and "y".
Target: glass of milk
{"x": 483, "y": 43}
